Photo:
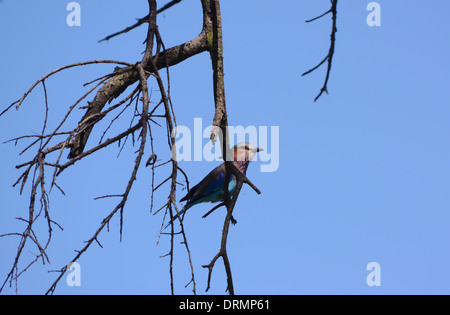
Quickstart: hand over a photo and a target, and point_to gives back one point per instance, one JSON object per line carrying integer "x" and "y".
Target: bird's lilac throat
{"x": 242, "y": 165}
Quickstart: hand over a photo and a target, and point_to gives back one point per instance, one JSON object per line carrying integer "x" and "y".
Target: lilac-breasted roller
{"x": 210, "y": 189}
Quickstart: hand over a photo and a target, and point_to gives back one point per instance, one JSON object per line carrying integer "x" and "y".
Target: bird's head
{"x": 245, "y": 151}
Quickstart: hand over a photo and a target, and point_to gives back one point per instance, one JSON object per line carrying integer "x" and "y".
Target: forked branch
{"x": 329, "y": 56}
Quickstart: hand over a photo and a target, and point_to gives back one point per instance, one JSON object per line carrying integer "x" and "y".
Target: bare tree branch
{"x": 140, "y": 21}
{"x": 220, "y": 122}
{"x": 329, "y": 56}
{"x": 143, "y": 125}
{"x": 50, "y": 145}
{"x": 128, "y": 76}
{"x": 115, "y": 85}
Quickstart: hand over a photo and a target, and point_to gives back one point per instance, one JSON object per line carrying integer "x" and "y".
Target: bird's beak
{"x": 259, "y": 149}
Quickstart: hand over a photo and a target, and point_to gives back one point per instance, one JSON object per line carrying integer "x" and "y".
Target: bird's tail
{"x": 176, "y": 216}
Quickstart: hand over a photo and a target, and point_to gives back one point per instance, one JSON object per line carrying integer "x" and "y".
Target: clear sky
{"x": 363, "y": 172}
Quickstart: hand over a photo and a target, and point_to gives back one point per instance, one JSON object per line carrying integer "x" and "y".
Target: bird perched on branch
{"x": 210, "y": 189}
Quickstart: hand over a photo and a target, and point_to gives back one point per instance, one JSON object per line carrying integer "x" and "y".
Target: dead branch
{"x": 329, "y": 56}
{"x": 121, "y": 205}
{"x": 113, "y": 85}
{"x": 220, "y": 122}
{"x": 109, "y": 87}
{"x": 140, "y": 21}
{"x": 171, "y": 124}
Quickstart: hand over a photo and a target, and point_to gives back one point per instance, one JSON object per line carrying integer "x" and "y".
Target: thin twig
{"x": 329, "y": 56}
{"x": 140, "y": 21}
{"x": 77, "y": 64}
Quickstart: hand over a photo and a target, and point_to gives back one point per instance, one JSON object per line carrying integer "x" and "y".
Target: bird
{"x": 210, "y": 188}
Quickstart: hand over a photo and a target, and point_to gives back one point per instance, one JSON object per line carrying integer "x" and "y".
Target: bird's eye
{"x": 247, "y": 148}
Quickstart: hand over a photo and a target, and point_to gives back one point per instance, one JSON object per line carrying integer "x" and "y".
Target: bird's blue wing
{"x": 209, "y": 189}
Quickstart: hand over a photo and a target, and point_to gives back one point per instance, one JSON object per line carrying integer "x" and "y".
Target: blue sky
{"x": 363, "y": 174}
